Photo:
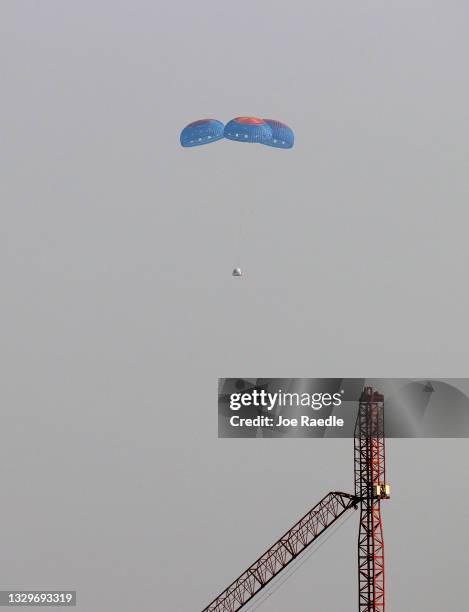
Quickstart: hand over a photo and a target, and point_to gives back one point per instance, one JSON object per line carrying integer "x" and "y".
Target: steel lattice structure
{"x": 287, "y": 548}
{"x": 370, "y": 489}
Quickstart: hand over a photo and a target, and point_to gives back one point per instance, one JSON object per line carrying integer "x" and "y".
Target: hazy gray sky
{"x": 119, "y": 311}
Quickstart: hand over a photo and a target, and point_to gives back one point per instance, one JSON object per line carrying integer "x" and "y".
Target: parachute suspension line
{"x": 299, "y": 562}
{"x": 241, "y": 232}
{"x": 246, "y": 208}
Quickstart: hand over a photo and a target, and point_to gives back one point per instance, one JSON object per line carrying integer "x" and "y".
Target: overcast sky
{"x": 119, "y": 311}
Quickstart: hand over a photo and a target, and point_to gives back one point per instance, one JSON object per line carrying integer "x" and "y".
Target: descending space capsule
{"x": 269, "y": 132}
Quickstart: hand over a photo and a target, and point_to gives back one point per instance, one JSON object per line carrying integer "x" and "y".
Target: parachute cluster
{"x": 270, "y": 132}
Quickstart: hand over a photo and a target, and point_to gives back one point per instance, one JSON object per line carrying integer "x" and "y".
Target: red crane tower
{"x": 370, "y": 490}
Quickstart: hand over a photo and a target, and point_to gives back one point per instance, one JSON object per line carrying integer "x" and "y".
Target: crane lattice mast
{"x": 370, "y": 488}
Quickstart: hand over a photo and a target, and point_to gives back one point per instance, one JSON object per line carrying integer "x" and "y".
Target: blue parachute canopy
{"x": 201, "y": 132}
{"x": 282, "y": 135}
{"x": 248, "y": 129}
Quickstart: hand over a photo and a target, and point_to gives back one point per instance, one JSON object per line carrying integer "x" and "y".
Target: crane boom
{"x": 283, "y": 552}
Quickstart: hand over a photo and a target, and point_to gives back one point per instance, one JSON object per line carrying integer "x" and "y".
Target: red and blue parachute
{"x": 282, "y": 134}
{"x": 248, "y": 129}
{"x": 270, "y": 132}
{"x": 202, "y": 131}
